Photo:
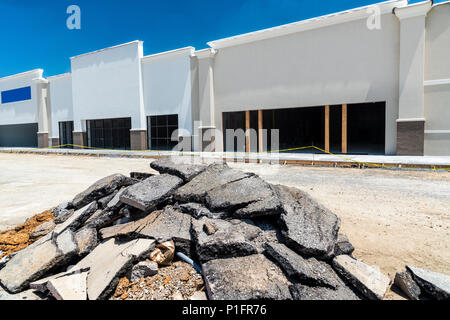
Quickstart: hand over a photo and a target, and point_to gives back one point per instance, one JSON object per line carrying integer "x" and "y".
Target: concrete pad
{"x": 41, "y": 284}
{"x": 210, "y": 156}
{"x": 25, "y": 295}
{"x": 71, "y": 287}
{"x": 32, "y": 183}
{"x": 108, "y": 261}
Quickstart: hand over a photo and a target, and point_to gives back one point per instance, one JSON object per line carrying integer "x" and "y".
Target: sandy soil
{"x": 392, "y": 218}
{"x": 19, "y": 238}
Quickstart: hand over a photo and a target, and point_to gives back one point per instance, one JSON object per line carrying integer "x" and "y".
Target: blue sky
{"x": 34, "y": 34}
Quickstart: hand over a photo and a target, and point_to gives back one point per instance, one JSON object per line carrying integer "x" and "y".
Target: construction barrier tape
{"x": 243, "y": 154}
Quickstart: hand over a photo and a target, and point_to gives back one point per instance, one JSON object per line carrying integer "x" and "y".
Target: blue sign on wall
{"x": 19, "y": 94}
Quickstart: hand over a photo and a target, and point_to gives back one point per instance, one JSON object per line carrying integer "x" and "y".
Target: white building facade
{"x": 372, "y": 80}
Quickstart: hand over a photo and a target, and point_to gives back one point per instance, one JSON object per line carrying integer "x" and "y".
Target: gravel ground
{"x": 392, "y": 218}
{"x": 179, "y": 281}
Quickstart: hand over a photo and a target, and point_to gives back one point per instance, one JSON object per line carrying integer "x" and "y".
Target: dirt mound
{"x": 19, "y": 238}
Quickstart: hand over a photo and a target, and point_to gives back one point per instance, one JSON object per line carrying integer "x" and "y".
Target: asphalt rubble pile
{"x": 222, "y": 233}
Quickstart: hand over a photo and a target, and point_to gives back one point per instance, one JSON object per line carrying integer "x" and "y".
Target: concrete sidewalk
{"x": 433, "y": 162}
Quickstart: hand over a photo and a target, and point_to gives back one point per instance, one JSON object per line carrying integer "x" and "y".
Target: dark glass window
{"x": 234, "y": 121}
{"x": 109, "y": 133}
{"x": 160, "y": 130}
{"x": 66, "y": 134}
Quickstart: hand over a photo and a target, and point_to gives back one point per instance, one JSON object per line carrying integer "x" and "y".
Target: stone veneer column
{"x": 410, "y": 137}
{"x": 42, "y": 140}
{"x": 79, "y": 139}
{"x": 55, "y": 142}
{"x": 138, "y": 139}
{"x": 411, "y": 121}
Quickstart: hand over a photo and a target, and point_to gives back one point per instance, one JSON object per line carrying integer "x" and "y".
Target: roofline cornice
{"x": 414, "y": 10}
{"x": 23, "y": 74}
{"x": 314, "y": 23}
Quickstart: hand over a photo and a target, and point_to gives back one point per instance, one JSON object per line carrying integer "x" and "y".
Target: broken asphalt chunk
{"x": 215, "y": 175}
{"x": 101, "y": 188}
{"x": 309, "y": 271}
{"x": 343, "y": 246}
{"x": 249, "y": 197}
{"x": 228, "y": 240}
{"x": 146, "y": 195}
{"x": 304, "y": 292}
{"x": 245, "y": 278}
{"x": 197, "y": 210}
{"x": 435, "y": 284}
{"x": 162, "y": 225}
{"x": 405, "y": 282}
{"x": 36, "y": 260}
{"x": 77, "y": 219}
{"x": 306, "y": 226}
{"x": 180, "y": 168}
{"x": 86, "y": 240}
{"x": 367, "y": 279}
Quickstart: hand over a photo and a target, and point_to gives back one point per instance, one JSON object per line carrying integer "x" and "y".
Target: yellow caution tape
{"x": 237, "y": 153}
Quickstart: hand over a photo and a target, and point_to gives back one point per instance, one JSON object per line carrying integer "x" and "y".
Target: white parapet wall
{"x": 60, "y": 92}
{"x": 22, "y": 111}
{"x": 167, "y": 85}
{"x": 108, "y": 84}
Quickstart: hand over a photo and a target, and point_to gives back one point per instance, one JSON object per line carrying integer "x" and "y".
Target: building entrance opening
{"x": 109, "y": 133}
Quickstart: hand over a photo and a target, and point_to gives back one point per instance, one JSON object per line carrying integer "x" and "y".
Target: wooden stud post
{"x": 260, "y": 132}
{"x": 344, "y": 128}
{"x": 327, "y": 128}
{"x": 247, "y": 132}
